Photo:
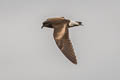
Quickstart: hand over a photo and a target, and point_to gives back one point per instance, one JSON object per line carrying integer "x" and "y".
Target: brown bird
{"x": 61, "y": 35}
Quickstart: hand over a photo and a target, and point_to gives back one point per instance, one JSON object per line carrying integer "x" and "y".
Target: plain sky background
{"x": 28, "y": 52}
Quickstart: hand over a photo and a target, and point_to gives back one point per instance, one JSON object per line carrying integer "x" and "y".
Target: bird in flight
{"x": 61, "y": 35}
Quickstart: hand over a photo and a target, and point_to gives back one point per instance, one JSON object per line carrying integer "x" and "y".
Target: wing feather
{"x": 61, "y": 36}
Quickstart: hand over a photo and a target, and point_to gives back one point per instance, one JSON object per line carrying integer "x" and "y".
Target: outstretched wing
{"x": 61, "y": 36}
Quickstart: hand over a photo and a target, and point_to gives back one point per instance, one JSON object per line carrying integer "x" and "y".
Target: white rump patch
{"x": 72, "y": 23}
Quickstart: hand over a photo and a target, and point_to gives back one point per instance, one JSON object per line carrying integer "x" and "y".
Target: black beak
{"x": 42, "y": 27}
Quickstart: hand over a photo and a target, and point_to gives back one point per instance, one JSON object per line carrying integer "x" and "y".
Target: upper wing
{"x": 61, "y": 36}
{"x": 56, "y": 18}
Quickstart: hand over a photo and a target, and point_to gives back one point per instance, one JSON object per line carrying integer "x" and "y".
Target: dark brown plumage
{"x": 61, "y": 35}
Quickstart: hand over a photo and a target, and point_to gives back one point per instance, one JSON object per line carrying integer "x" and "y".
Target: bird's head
{"x": 50, "y": 21}
{"x": 46, "y": 24}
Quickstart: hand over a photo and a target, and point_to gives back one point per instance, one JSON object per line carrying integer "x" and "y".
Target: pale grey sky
{"x": 23, "y": 53}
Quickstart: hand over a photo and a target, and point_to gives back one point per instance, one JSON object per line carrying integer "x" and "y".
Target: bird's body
{"x": 61, "y": 35}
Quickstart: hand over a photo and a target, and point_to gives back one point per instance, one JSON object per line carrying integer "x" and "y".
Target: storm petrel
{"x": 61, "y": 35}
